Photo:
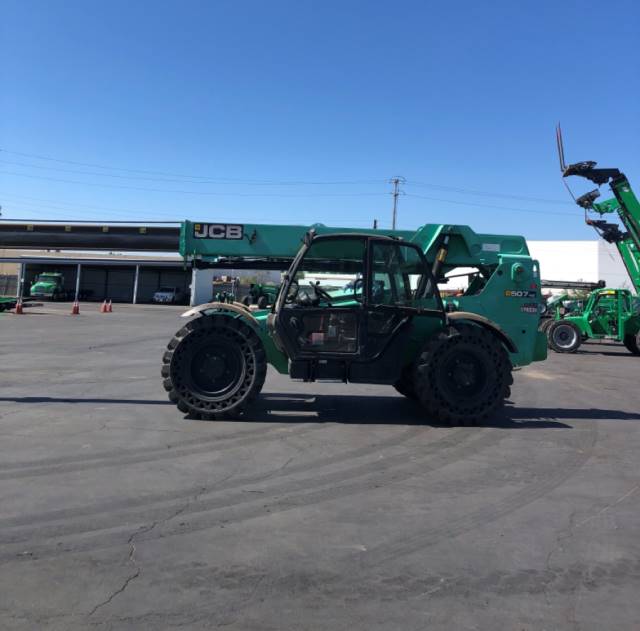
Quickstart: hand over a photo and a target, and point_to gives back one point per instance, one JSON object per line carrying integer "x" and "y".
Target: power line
{"x": 468, "y": 191}
{"x": 188, "y": 178}
{"x": 510, "y": 209}
{"x": 183, "y": 192}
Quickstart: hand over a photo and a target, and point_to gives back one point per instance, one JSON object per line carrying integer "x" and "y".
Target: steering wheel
{"x": 358, "y": 284}
{"x": 320, "y": 292}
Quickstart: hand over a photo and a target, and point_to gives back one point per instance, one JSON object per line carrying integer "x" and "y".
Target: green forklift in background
{"x": 558, "y": 306}
{"x": 608, "y": 313}
{"x": 261, "y": 294}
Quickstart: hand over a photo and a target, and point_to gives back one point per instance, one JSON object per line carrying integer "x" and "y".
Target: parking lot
{"x": 330, "y": 506}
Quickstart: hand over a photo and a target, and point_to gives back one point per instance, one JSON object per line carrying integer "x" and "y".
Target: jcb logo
{"x": 218, "y": 231}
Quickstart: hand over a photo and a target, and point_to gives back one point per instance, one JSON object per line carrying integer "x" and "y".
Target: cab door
{"x": 320, "y": 309}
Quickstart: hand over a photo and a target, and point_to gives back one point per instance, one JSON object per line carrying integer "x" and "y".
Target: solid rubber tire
{"x": 405, "y": 385}
{"x": 430, "y": 379}
{"x": 176, "y": 367}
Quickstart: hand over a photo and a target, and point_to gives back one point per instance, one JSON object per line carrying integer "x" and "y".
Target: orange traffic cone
{"x": 75, "y": 310}
{"x": 19, "y": 310}
{"x": 103, "y": 307}
{"x": 109, "y": 307}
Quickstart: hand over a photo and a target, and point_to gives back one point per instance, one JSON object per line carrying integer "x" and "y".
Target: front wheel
{"x": 632, "y": 342}
{"x": 564, "y": 337}
{"x": 214, "y": 367}
{"x": 463, "y": 376}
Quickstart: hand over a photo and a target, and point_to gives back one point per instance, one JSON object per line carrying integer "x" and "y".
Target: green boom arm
{"x": 271, "y": 246}
{"x": 624, "y": 203}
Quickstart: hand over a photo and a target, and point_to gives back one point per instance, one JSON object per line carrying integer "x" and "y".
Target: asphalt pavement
{"x": 330, "y": 506}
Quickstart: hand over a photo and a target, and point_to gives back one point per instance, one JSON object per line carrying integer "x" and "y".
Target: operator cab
{"x": 344, "y": 307}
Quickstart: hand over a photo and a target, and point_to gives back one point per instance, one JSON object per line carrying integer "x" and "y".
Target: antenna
{"x": 563, "y": 166}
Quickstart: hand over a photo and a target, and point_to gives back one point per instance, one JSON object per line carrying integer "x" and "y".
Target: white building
{"x": 588, "y": 261}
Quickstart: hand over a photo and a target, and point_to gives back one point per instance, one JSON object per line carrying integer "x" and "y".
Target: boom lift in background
{"x": 387, "y": 324}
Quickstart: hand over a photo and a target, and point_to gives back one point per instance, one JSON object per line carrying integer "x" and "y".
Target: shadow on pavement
{"x": 89, "y": 400}
{"x": 366, "y": 410}
{"x": 623, "y": 353}
{"x": 370, "y": 410}
{"x": 574, "y": 414}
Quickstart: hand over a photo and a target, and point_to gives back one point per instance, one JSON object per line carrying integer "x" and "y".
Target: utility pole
{"x": 396, "y": 181}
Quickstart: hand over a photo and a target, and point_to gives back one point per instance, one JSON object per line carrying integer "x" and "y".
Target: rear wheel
{"x": 463, "y": 375}
{"x": 214, "y": 367}
{"x": 564, "y": 337}
{"x": 632, "y": 342}
{"x": 246, "y": 301}
{"x": 545, "y": 324}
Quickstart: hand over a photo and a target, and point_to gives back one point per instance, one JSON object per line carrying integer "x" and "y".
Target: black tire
{"x": 545, "y": 324}
{"x": 564, "y": 337}
{"x": 263, "y": 302}
{"x": 246, "y": 301}
{"x": 214, "y": 367}
{"x": 632, "y": 342}
{"x": 405, "y": 385}
{"x": 463, "y": 375}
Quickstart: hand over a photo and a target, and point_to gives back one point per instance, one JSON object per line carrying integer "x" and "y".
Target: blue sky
{"x": 299, "y": 112}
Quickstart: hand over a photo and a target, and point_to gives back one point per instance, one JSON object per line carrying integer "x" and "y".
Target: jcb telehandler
{"x": 388, "y": 325}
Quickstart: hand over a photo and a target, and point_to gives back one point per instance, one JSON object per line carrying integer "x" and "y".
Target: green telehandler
{"x": 608, "y": 313}
{"x": 386, "y": 325}
{"x": 261, "y": 294}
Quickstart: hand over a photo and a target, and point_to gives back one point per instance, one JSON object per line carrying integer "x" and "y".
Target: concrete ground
{"x": 330, "y": 507}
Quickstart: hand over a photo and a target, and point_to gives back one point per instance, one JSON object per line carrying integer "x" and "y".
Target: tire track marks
{"x": 180, "y": 495}
{"x": 13, "y": 471}
{"x": 210, "y": 512}
{"x": 548, "y": 481}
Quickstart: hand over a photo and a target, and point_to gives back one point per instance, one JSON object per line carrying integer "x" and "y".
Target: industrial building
{"x": 116, "y": 277}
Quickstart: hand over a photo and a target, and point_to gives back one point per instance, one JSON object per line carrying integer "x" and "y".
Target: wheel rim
{"x": 464, "y": 375}
{"x": 564, "y": 336}
{"x": 216, "y": 370}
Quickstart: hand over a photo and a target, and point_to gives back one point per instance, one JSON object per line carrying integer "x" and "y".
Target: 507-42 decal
{"x": 520, "y": 293}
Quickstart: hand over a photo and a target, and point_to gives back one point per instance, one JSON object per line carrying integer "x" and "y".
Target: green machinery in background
{"x": 261, "y": 294}
{"x": 49, "y": 285}
{"x": 561, "y": 305}
{"x": 385, "y": 324}
{"x": 608, "y": 313}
